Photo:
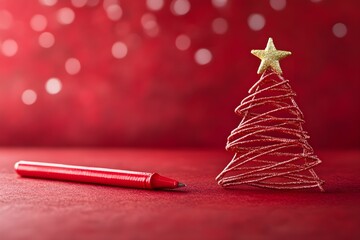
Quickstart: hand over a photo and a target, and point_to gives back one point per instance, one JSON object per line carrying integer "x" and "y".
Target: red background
{"x": 157, "y": 95}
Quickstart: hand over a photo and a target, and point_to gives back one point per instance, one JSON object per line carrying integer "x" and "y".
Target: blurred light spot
{"x": 219, "y": 3}
{"x": 182, "y": 42}
{"x": 339, "y": 30}
{"x": 107, "y": 3}
{"x": 78, "y": 3}
{"x": 9, "y": 47}
{"x": 203, "y": 56}
{"x": 256, "y": 21}
{"x": 148, "y": 21}
{"x": 48, "y": 2}
{"x": 6, "y": 19}
{"x": 46, "y": 40}
{"x": 278, "y": 5}
{"x": 38, "y": 23}
{"x": 29, "y": 97}
{"x": 65, "y": 15}
{"x": 155, "y": 5}
{"x": 180, "y": 7}
{"x": 114, "y": 12}
{"x": 219, "y": 25}
{"x": 72, "y": 66}
{"x": 119, "y": 50}
{"x": 53, "y": 86}
{"x": 316, "y": 1}
{"x": 92, "y": 3}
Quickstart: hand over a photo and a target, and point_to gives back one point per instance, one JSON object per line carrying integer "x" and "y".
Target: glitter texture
{"x": 270, "y": 57}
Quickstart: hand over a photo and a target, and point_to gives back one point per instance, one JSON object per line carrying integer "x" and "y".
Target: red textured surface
{"x": 158, "y": 95}
{"x": 41, "y": 209}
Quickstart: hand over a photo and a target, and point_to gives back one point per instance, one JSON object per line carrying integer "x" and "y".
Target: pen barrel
{"x": 84, "y": 174}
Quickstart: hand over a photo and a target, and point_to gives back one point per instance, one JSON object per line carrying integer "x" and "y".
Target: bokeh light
{"x": 203, "y": 56}
{"x": 65, "y": 15}
{"x": 278, "y": 5}
{"x": 72, "y": 66}
{"x": 166, "y": 64}
{"x": 150, "y": 25}
{"x": 219, "y": 3}
{"x": 339, "y": 30}
{"x": 79, "y": 3}
{"x": 38, "y": 22}
{"x": 119, "y": 50}
{"x": 114, "y": 12}
{"x": 182, "y": 42}
{"x": 256, "y": 21}
{"x": 46, "y": 39}
{"x": 48, "y": 3}
{"x": 9, "y": 47}
{"x": 154, "y": 5}
{"x": 180, "y": 7}
{"x": 53, "y": 86}
{"x": 29, "y": 97}
{"x": 219, "y": 25}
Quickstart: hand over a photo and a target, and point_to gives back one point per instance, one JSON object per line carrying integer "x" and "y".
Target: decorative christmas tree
{"x": 270, "y": 145}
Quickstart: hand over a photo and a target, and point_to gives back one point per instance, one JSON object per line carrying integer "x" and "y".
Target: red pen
{"x": 95, "y": 175}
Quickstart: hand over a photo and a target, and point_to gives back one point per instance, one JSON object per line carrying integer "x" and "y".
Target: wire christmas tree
{"x": 270, "y": 145}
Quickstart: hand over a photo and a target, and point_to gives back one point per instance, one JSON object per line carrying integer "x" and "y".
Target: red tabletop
{"x": 45, "y": 209}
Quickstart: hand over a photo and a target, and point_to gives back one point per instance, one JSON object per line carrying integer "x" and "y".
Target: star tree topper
{"x": 270, "y": 57}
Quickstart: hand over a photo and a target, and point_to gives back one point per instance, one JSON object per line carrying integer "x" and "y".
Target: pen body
{"x": 104, "y": 176}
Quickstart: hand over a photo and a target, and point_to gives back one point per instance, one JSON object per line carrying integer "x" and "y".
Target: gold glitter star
{"x": 270, "y": 57}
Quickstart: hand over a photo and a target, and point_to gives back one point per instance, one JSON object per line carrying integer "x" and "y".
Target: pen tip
{"x": 181, "y": 184}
